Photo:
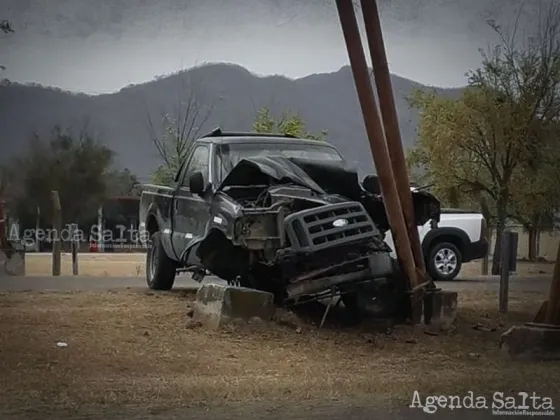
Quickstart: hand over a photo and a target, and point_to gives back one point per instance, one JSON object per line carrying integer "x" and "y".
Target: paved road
{"x": 536, "y": 283}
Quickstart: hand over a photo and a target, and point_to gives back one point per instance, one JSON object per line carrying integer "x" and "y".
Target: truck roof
{"x": 262, "y": 139}
{"x": 218, "y": 136}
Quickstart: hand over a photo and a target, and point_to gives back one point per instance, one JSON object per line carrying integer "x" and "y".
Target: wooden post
{"x": 37, "y": 229}
{"x": 487, "y": 232}
{"x": 74, "y": 244}
{"x": 57, "y": 228}
{"x": 391, "y": 125}
{"x": 505, "y": 264}
{"x": 485, "y": 269}
{"x": 100, "y": 228}
{"x": 378, "y": 145}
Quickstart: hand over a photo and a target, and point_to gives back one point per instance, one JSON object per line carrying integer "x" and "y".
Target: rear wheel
{"x": 444, "y": 261}
{"x": 160, "y": 269}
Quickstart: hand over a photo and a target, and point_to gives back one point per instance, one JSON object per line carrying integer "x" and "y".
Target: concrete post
{"x": 74, "y": 245}
{"x": 505, "y": 263}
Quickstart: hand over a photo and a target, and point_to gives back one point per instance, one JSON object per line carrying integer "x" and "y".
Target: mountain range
{"x": 229, "y": 94}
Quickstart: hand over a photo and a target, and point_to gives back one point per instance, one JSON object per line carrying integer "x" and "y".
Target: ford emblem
{"x": 340, "y": 222}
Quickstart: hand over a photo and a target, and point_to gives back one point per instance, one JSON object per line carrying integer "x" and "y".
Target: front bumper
{"x": 368, "y": 267}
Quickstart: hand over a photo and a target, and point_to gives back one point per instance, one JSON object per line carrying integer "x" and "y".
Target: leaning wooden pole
{"x": 391, "y": 125}
{"x": 376, "y": 138}
{"x": 57, "y": 228}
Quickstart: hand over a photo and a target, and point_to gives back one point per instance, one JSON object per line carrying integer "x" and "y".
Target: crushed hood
{"x": 321, "y": 177}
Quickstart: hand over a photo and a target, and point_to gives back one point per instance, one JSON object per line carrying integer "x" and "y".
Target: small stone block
{"x": 218, "y": 304}
{"x": 448, "y": 309}
{"x": 13, "y": 266}
{"x": 531, "y": 342}
{"x": 435, "y": 303}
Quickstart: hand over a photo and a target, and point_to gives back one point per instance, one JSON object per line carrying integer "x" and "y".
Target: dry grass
{"x": 96, "y": 265}
{"x": 133, "y": 264}
{"x": 143, "y": 349}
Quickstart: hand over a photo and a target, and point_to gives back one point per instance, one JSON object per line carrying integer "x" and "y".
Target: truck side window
{"x": 199, "y": 162}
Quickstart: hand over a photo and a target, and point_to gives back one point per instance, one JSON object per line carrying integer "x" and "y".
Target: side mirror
{"x": 196, "y": 183}
{"x": 371, "y": 184}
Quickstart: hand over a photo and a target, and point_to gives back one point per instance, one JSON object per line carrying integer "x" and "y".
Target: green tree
{"x": 123, "y": 183}
{"x": 289, "y": 124}
{"x": 498, "y": 142}
{"x": 74, "y": 164}
{"x": 535, "y": 197}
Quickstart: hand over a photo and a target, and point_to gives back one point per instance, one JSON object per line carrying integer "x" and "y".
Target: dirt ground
{"x": 132, "y": 265}
{"x": 142, "y": 349}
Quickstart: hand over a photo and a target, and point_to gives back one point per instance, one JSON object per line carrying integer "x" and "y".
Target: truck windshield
{"x": 229, "y": 155}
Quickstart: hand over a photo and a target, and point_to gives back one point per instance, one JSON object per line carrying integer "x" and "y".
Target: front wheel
{"x": 160, "y": 269}
{"x": 444, "y": 261}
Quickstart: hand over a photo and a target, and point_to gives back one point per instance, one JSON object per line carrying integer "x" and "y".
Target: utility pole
{"x": 376, "y": 139}
{"x": 391, "y": 126}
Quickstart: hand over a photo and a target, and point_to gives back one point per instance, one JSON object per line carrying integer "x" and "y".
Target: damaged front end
{"x": 301, "y": 230}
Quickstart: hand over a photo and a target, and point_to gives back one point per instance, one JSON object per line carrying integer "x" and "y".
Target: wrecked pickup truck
{"x": 274, "y": 213}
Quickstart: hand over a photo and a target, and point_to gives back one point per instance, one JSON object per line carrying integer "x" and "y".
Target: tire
{"x": 160, "y": 269}
{"x": 356, "y": 305}
{"x": 389, "y": 297}
{"x": 444, "y": 261}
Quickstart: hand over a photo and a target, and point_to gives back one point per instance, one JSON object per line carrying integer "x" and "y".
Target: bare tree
{"x": 177, "y": 130}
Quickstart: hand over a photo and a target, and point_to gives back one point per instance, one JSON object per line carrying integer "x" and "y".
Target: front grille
{"x": 329, "y": 225}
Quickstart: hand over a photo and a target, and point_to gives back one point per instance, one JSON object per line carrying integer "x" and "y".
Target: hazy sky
{"x": 99, "y": 46}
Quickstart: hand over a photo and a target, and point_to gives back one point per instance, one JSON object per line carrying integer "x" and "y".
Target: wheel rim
{"x": 445, "y": 261}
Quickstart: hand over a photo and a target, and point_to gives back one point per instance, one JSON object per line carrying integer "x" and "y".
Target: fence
{"x": 547, "y": 243}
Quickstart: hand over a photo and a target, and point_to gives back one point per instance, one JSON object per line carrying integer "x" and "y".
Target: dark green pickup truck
{"x": 274, "y": 213}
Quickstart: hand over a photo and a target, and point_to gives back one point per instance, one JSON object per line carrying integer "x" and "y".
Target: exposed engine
{"x": 303, "y": 228}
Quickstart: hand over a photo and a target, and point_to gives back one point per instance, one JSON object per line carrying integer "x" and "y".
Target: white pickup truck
{"x": 460, "y": 237}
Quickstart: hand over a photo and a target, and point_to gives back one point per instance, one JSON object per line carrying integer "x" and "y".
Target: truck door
{"x": 190, "y": 211}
